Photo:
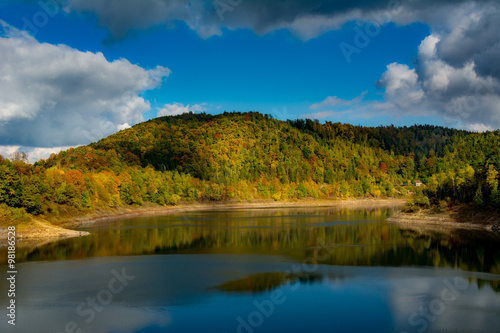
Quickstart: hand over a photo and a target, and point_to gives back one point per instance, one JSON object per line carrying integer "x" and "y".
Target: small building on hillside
{"x": 418, "y": 183}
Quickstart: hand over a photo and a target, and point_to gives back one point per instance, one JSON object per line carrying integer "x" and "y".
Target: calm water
{"x": 260, "y": 270}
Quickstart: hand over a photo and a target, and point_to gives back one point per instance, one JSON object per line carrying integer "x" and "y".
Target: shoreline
{"x": 39, "y": 231}
{"x": 425, "y": 219}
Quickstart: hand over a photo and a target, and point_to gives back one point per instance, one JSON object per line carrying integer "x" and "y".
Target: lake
{"x": 259, "y": 270}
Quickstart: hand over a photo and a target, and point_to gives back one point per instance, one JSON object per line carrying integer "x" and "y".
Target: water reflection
{"x": 354, "y": 237}
{"x": 333, "y": 269}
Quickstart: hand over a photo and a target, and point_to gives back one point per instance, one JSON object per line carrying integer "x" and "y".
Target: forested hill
{"x": 233, "y": 147}
{"x": 419, "y": 139}
{"x": 248, "y": 156}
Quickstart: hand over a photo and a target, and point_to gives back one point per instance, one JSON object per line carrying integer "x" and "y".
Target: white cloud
{"x": 329, "y": 101}
{"x": 476, "y": 127}
{"x": 355, "y": 107}
{"x": 323, "y": 114}
{"x": 457, "y": 93}
{"x": 402, "y": 89}
{"x": 335, "y": 101}
{"x": 6, "y": 151}
{"x": 179, "y": 108}
{"x": 34, "y": 153}
{"x": 454, "y": 89}
{"x": 123, "y": 126}
{"x": 398, "y": 78}
{"x": 54, "y": 95}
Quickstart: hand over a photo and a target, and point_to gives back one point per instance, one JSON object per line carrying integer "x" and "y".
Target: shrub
{"x": 10, "y": 216}
{"x": 422, "y": 201}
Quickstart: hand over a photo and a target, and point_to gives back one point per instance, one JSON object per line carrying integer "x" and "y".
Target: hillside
{"x": 250, "y": 156}
{"x": 235, "y": 147}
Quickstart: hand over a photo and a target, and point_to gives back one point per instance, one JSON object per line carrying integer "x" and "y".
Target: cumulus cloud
{"x": 179, "y": 108}
{"x": 402, "y": 89}
{"x": 54, "y": 95}
{"x": 455, "y": 89}
{"x": 459, "y": 94}
{"x": 457, "y": 73}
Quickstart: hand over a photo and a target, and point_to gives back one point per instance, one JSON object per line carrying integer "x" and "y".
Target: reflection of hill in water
{"x": 263, "y": 282}
{"x": 267, "y": 281}
{"x": 353, "y": 237}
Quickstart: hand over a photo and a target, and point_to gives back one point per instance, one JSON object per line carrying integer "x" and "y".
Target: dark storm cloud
{"x": 208, "y": 17}
{"x": 471, "y": 37}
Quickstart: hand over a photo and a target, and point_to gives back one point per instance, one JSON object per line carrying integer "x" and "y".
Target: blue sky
{"x": 286, "y": 58}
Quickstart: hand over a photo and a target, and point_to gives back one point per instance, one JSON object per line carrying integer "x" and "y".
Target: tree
{"x": 19, "y": 156}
